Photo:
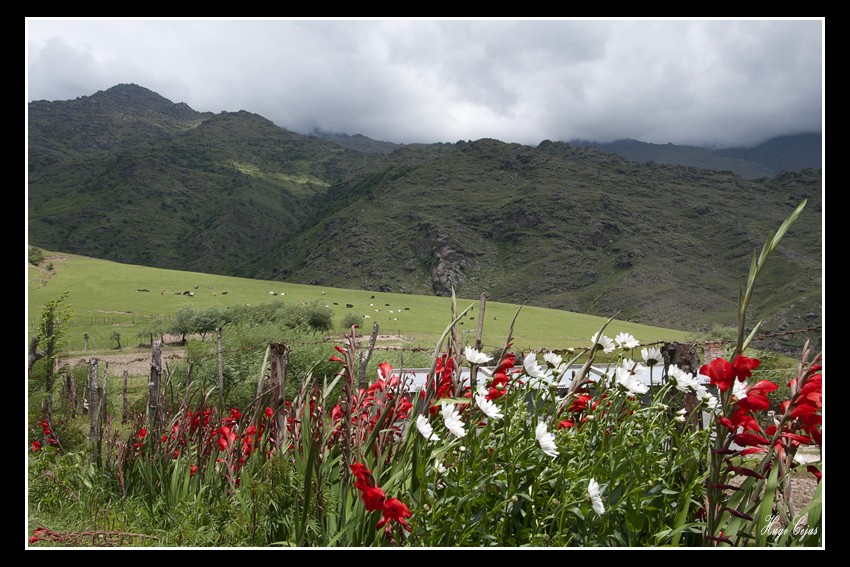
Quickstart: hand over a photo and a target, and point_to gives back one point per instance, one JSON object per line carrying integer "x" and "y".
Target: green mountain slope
{"x": 570, "y": 228}
{"x": 557, "y": 226}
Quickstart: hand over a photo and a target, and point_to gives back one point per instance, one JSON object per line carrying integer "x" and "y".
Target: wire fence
{"x": 329, "y": 341}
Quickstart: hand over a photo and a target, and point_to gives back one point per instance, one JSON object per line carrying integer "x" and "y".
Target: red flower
{"x": 373, "y": 497}
{"x": 142, "y": 433}
{"x": 336, "y": 359}
{"x": 269, "y": 412}
{"x": 193, "y": 470}
{"x": 579, "y": 403}
{"x": 226, "y": 437}
{"x": 394, "y": 509}
{"x": 743, "y": 367}
{"x": 815, "y": 471}
{"x": 750, "y": 439}
{"x": 363, "y": 475}
{"x": 164, "y": 438}
{"x": 565, "y": 423}
{"x": 385, "y": 369}
{"x": 36, "y": 446}
{"x": 721, "y": 373}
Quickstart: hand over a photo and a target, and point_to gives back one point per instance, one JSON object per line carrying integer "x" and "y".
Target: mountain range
{"x": 605, "y": 229}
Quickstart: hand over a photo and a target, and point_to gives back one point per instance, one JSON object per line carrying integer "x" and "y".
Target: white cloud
{"x": 699, "y": 82}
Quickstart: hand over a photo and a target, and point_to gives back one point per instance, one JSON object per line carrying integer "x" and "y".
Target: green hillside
{"x": 105, "y": 296}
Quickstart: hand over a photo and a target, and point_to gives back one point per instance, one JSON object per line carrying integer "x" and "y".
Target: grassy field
{"x": 106, "y": 296}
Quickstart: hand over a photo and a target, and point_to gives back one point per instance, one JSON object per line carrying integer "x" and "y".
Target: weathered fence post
{"x": 479, "y": 332}
{"x": 101, "y": 391}
{"x": 279, "y": 363}
{"x": 94, "y": 408}
{"x": 124, "y": 398}
{"x": 684, "y": 355}
{"x": 220, "y": 372}
{"x": 70, "y": 395}
{"x": 365, "y": 356}
{"x": 153, "y": 387}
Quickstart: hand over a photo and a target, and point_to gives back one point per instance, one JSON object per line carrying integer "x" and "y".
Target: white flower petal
{"x": 488, "y": 407}
{"x": 452, "y": 421}
{"x": 546, "y": 440}
{"x": 425, "y": 428}
{"x": 475, "y": 357}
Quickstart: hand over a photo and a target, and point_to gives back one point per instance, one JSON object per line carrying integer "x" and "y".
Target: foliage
{"x": 36, "y": 255}
{"x": 531, "y": 451}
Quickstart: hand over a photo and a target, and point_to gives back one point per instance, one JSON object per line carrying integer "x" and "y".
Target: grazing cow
{"x": 349, "y": 305}
{"x": 272, "y": 293}
{"x": 142, "y": 289}
{"x": 223, "y": 293}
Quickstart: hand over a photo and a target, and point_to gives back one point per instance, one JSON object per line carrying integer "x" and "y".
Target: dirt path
{"x": 135, "y": 363}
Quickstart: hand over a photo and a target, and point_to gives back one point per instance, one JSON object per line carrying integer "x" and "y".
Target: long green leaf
{"x": 766, "y": 507}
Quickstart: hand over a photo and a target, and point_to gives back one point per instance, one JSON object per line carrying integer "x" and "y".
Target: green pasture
{"x": 105, "y": 296}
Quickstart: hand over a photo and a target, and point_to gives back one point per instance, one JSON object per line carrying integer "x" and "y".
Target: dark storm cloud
{"x": 689, "y": 82}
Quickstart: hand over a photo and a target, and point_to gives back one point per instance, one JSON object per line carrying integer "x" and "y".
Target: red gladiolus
{"x": 142, "y": 433}
{"x": 36, "y": 446}
{"x": 339, "y": 349}
{"x": 385, "y": 369}
{"x": 750, "y": 439}
{"x": 336, "y": 359}
{"x": 269, "y": 412}
{"x": 193, "y": 470}
{"x": 373, "y": 497}
{"x": 814, "y": 470}
{"x": 745, "y": 471}
{"x": 753, "y": 402}
{"x": 797, "y": 438}
{"x": 226, "y": 437}
{"x": 394, "y": 509}
{"x": 743, "y": 367}
{"x": 579, "y": 403}
{"x": 721, "y": 373}
{"x": 565, "y": 423}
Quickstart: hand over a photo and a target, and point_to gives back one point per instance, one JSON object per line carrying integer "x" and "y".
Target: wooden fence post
{"x": 124, "y": 399}
{"x": 684, "y": 355}
{"x": 153, "y": 388}
{"x": 364, "y": 357}
{"x": 220, "y": 373}
{"x": 94, "y": 408}
{"x": 480, "y": 330}
{"x": 102, "y": 397}
{"x": 279, "y": 363}
{"x": 70, "y": 395}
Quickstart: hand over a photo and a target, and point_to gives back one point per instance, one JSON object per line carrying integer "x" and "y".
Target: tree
{"x": 51, "y": 335}
{"x": 36, "y": 256}
{"x": 116, "y": 336}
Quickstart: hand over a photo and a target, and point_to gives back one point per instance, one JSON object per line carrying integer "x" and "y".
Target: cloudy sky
{"x": 703, "y": 82}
